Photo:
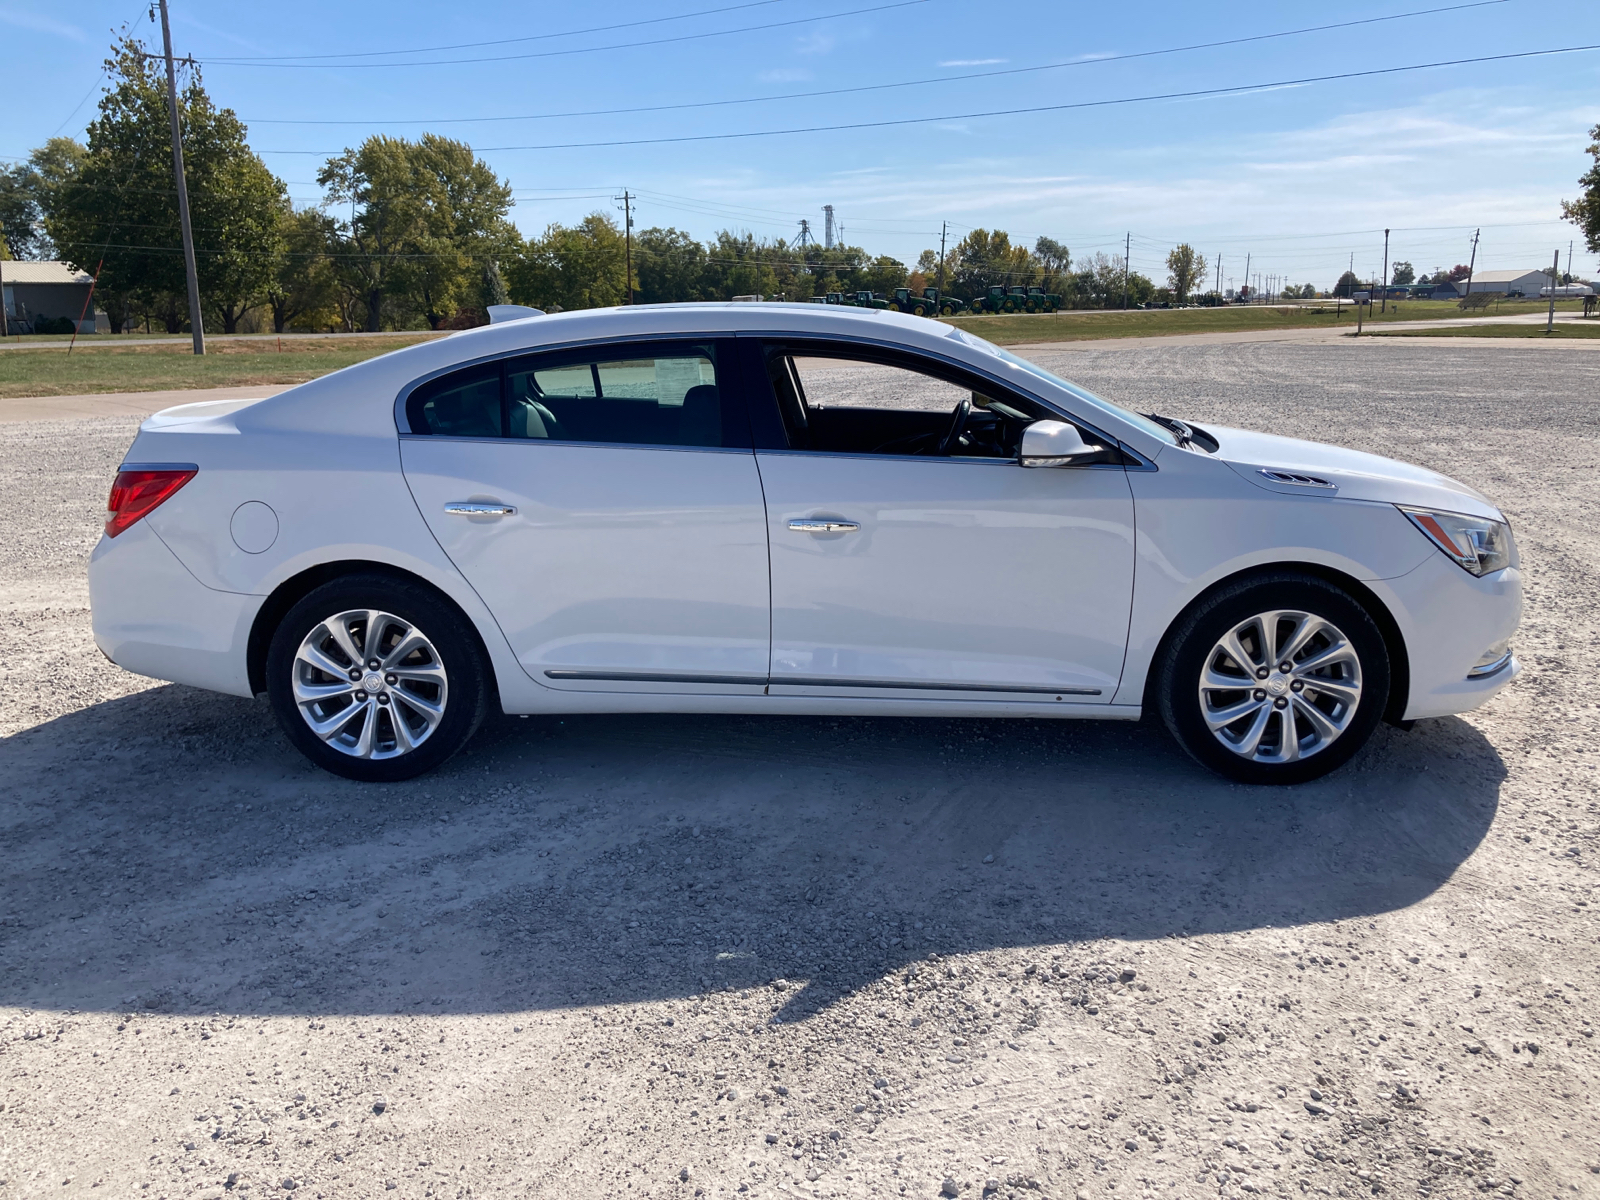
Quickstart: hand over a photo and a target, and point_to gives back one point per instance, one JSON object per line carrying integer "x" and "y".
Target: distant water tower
{"x": 827, "y": 227}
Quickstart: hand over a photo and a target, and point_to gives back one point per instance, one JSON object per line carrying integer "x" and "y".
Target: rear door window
{"x": 672, "y": 396}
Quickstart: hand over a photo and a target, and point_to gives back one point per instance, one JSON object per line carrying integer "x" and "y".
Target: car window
{"x": 643, "y": 395}
{"x": 671, "y": 398}
{"x": 461, "y": 404}
{"x": 836, "y": 401}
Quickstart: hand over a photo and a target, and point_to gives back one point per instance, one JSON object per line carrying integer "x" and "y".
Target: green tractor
{"x": 1043, "y": 301}
{"x": 917, "y": 306}
{"x": 864, "y": 299}
{"x": 945, "y": 306}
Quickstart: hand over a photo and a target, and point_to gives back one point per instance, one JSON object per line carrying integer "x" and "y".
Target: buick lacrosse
{"x": 789, "y": 509}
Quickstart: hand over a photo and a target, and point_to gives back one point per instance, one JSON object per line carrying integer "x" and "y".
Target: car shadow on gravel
{"x": 169, "y": 851}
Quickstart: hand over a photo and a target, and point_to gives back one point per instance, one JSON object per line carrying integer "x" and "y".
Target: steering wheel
{"x": 963, "y": 411}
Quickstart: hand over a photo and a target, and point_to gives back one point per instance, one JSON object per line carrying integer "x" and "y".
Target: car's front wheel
{"x": 376, "y": 679}
{"x": 1275, "y": 680}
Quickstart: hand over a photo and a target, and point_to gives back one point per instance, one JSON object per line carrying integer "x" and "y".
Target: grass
{"x": 1085, "y": 325}
{"x": 106, "y": 367}
{"x": 1566, "y": 329}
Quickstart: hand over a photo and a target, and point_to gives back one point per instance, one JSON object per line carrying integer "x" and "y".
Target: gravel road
{"x": 711, "y": 956}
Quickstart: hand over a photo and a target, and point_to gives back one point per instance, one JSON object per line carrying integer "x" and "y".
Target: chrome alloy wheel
{"x": 370, "y": 684}
{"x": 1280, "y": 686}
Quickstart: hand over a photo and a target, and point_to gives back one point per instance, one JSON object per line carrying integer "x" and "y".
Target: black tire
{"x": 465, "y": 690}
{"x": 1189, "y": 650}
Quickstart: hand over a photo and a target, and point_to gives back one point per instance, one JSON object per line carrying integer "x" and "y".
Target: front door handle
{"x": 479, "y": 508}
{"x": 823, "y": 525}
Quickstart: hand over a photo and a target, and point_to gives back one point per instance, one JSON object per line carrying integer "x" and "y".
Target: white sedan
{"x": 790, "y": 509}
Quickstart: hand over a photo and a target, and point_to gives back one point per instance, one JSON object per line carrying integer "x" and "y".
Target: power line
{"x": 879, "y": 87}
{"x": 446, "y": 62}
{"x": 537, "y": 37}
{"x": 1197, "y": 93}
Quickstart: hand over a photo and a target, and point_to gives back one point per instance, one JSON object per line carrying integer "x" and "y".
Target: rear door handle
{"x": 479, "y": 508}
{"x": 822, "y": 525}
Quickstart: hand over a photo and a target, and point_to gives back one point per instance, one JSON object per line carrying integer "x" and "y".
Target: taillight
{"x": 139, "y": 490}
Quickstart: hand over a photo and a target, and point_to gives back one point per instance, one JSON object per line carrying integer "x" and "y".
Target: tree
{"x": 1584, "y": 212}
{"x": 27, "y": 195}
{"x": 1348, "y": 283}
{"x": 423, "y": 216}
{"x": 984, "y": 259}
{"x": 1185, "y": 268}
{"x": 581, "y": 266}
{"x": 302, "y": 284}
{"x": 670, "y": 265}
{"x": 119, "y": 201}
{"x": 1403, "y": 274}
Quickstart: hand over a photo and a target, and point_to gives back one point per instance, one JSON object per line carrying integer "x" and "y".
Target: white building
{"x": 1510, "y": 282}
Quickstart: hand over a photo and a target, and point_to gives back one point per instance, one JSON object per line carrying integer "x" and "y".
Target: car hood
{"x": 1353, "y": 474}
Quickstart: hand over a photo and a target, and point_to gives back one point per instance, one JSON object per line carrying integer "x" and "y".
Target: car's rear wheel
{"x": 1274, "y": 680}
{"x": 376, "y": 679}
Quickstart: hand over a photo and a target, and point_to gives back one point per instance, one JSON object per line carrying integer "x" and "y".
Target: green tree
{"x": 984, "y": 259}
{"x": 579, "y": 266}
{"x": 1584, "y": 212}
{"x": 1348, "y": 283}
{"x": 669, "y": 264}
{"x": 1404, "y": 273}
{"x": 302, "y": 286}
{"x": 119, "y": 200}
{"x": 1185, "y": 269}
{"x": 27, "y": 195}
{"x": 424, "y": 215}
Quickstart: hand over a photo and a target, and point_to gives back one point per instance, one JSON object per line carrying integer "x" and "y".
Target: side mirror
{"x": 1056, "y": 444}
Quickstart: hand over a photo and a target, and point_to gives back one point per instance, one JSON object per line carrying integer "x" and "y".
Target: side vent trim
{"x": 1296, "y": 479}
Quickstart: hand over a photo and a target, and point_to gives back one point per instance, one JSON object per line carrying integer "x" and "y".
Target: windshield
{"x": 1116, "y": 410}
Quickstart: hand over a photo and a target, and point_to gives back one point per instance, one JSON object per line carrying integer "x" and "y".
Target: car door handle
{"x": 478, "y": 508}
{"x": 822, "y": 525}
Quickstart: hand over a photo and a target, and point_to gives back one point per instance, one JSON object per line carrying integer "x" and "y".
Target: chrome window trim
{"x": 515, "y": 441}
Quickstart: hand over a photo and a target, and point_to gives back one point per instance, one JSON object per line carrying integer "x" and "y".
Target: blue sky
{"x": 1301, "y": 178}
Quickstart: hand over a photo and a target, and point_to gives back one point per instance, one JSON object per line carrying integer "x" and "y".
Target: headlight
{"x": 1477, "y": 544}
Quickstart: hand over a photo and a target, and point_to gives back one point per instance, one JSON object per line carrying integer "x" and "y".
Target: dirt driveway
{"x": 686, "y": 956}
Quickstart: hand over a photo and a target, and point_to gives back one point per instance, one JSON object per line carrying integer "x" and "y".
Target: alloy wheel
{"x": 369, "y": 684}
{"x": 1280, "y": 686}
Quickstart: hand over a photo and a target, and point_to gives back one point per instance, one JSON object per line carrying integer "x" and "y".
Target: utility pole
{"x": 1127, "y": 249}
{"x": 196, "y": 320}
{"x": 1555, "y": 274}
{"x": 944, "y": 228}
{"x": 4, "y": 330}
{"x": 627, "y": 226}
{"x": 1383, "y": 282}
{"x": 1473, "y": 261}
{"x": 1569, "y": 261}
{"x": 1247, "y": 270}
{"x": 1219, "y": 277}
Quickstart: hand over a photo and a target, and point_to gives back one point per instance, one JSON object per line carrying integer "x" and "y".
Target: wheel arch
{"x": 294, "y": 589}
{"x": 1393, "y": 640}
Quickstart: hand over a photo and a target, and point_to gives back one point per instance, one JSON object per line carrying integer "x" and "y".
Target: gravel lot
{"x": 685, "y": 956}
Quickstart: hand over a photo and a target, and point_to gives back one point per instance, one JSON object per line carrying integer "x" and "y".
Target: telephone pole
{"x": 1127, "y": 249}
{"x": 196, "y": 321}
{"x": 1383, "y": 281}
{"x": 1246, "y": 275}
{"x": 627, "y": 225}
{"x": 944, "y": 228}
{"x": 1555, "y": 275}
{"x": 1473, "y": 261}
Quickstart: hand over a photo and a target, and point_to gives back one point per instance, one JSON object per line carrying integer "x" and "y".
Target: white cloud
{"x": 785, "y": 75}
{"x": 973, "y": 62}
{"x": 40, "y": 23}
